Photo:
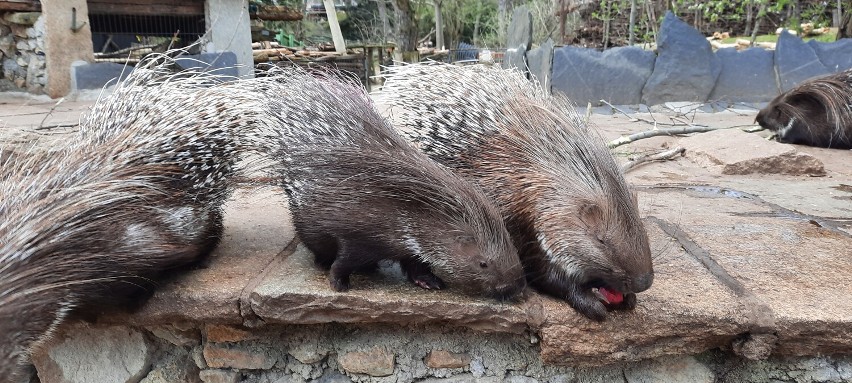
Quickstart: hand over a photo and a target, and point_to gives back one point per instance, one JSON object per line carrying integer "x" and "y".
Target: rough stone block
{"x": 224, "y": 333}
{"x": 733, "y": 151}
{"x": 308, "y": 353}
{"x": 686, "y": 68}
{"x": 746, "y": 76}
{"x": 446, "y": 359}
{"x": 616, "y": 75}
{"x": 219, "y": 376}
{"x": 84, "y": 354}
{"x": 96, "y": 75}
{"x": 374, "y": 362}
{"x": 22, "y": 18}
{"x": 795, "y": 61}
{"x": 176, "y": 367}
{"x": 836, "y": 55}
{"x": 519, "y": 39}
{"x": 177, "y": 337}
{"x": 678, "y": 369}
{"x": 229, "y": 356}
{"x": 540, "y": 62}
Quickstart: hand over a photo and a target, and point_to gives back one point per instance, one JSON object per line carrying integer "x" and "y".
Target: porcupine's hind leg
{"x": 419, "y": 273}
{"x": 353, "y": 255}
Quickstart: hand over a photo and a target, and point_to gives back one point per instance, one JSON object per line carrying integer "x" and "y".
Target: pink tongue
{"x": 613, "y": 297}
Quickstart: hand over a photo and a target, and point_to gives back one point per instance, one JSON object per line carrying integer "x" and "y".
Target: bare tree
{"x": 406, "y": 27}
{"x": 439, "y": 25}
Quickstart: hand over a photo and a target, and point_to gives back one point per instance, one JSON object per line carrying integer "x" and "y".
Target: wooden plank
{"x": 336, "y": 35}
{"x": 146, "y": 7}
{"x": 20, "y": 5}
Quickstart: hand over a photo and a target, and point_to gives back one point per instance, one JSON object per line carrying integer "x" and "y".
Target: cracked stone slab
{"x": 687, "y": 310}
{"x": 295, "y": 291}
{"x": 799, "y": 270}
{"x": 257, "y": 227}
{"x": 733, "y": 151}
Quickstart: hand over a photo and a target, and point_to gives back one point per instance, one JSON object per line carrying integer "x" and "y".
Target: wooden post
{"x": 336, "y": 35}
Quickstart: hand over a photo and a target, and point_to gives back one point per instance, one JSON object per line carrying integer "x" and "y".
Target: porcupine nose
{"x": 643, "y": 282}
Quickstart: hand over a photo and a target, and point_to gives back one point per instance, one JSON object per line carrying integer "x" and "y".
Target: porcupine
{"x": 562, "y": 195}
{"x": 360, "y": 193}
{"x": 817, "y": 112}
{"x": 138, "y": 192}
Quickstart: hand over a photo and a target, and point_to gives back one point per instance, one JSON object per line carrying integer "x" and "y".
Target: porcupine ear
{"x": 591, "y": 215}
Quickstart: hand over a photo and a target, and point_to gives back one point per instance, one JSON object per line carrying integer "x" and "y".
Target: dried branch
{"x": 61, "y": 100}
{"x": 662, "y": 156}
{"x": 662, "y": 132}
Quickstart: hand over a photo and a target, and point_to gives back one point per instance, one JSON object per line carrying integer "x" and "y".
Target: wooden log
{"x": 20, "y": 5}
{"x": 277, "y": 13}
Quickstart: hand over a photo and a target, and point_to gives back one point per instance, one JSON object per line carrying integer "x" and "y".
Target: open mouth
{"x": 608, "y": 296}
{"x": 606, "y": 293}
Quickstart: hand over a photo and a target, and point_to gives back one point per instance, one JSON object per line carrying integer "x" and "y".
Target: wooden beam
{"x": 146, "y": 7}
{"x": 20, "y": 5}
{"x": 336, "y": 34}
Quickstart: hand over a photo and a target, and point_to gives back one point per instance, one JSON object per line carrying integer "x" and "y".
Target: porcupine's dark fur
{"x": 359, "y": 193}
{"x": 139, "y": 192}
{"x": 817, "y": 112}
{"x": 562, "y": 195}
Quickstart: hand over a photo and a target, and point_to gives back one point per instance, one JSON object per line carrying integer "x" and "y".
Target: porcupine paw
{"x": 419, "y": 274}
{"x": 339, "y": 283}
{"x": 589, "y": 306}
{"x": 428, "y": 281}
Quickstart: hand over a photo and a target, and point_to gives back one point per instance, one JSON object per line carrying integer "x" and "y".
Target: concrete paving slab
{"x": 257, "y": 228}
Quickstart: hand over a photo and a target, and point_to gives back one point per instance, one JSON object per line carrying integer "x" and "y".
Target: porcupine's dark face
{"x": 597, "y": 259}
{"x": 790, "y": 116}
{"x": 483, "y": 262}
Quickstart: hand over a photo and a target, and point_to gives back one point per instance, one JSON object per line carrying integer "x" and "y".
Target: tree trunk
{"x": 439, "y": 26}
{"x": 631, "y": 36}
{"x": 760, "y": 14}
{"x": 606, "y": 21}
{"x": 406, "y": 34}
{"x": 845, "y": 29}
{"x": 749, "y": 17}
{"x": 476, "y": 28}
{"x": 502, "y": 16}
{"x": 383, "y": 15}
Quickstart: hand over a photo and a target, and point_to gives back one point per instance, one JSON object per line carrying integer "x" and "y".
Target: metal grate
{"x": 125, "y": 38}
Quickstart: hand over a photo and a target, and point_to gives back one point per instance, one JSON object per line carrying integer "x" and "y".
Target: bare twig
{"x": 662, "y": 156}
{"x": 57, "y": 126}
{"x": 662, "y": 132}
{"x": 61, "y": 100}
{"x": 653, "y": 120}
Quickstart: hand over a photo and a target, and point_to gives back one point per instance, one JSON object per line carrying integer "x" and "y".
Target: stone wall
{"x": 683, "y": 68}
{"x": 22, "y": 52}
{"x": 375, "y": 353}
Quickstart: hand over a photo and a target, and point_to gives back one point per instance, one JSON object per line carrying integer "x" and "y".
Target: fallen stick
{"x": 662, "y": 132}
{"x": 662, "y": 156}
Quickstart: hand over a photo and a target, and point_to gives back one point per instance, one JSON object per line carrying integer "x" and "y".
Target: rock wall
{"x": 22, "y": 52}
{"x": 374, "y": 353}
{"x": 684, "y": 68}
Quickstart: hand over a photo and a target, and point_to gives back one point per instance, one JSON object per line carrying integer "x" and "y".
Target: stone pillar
{"x": 229, "y": 30}
{"x": 63, "y": 45}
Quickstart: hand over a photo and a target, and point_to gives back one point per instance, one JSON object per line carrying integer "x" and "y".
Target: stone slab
{"x": 296, "y": 291}
{"x": 686, "y": 68}
{"x": 221, "y": 63}
{"x": 746, "y": 76}
{"x": 836, "y": 55}
{"x": 733, "y": 151}
{"x": 97, "y": 75}
{"x": 616, "y": 75}
{"x": 796, "y": 61}
{"x": 799, "y": 270}
{"x": 257, "y": 228}
{"x": 518, "y": 39}
{"x": 685, "y": 311}
{"x": 540, "y": 61}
